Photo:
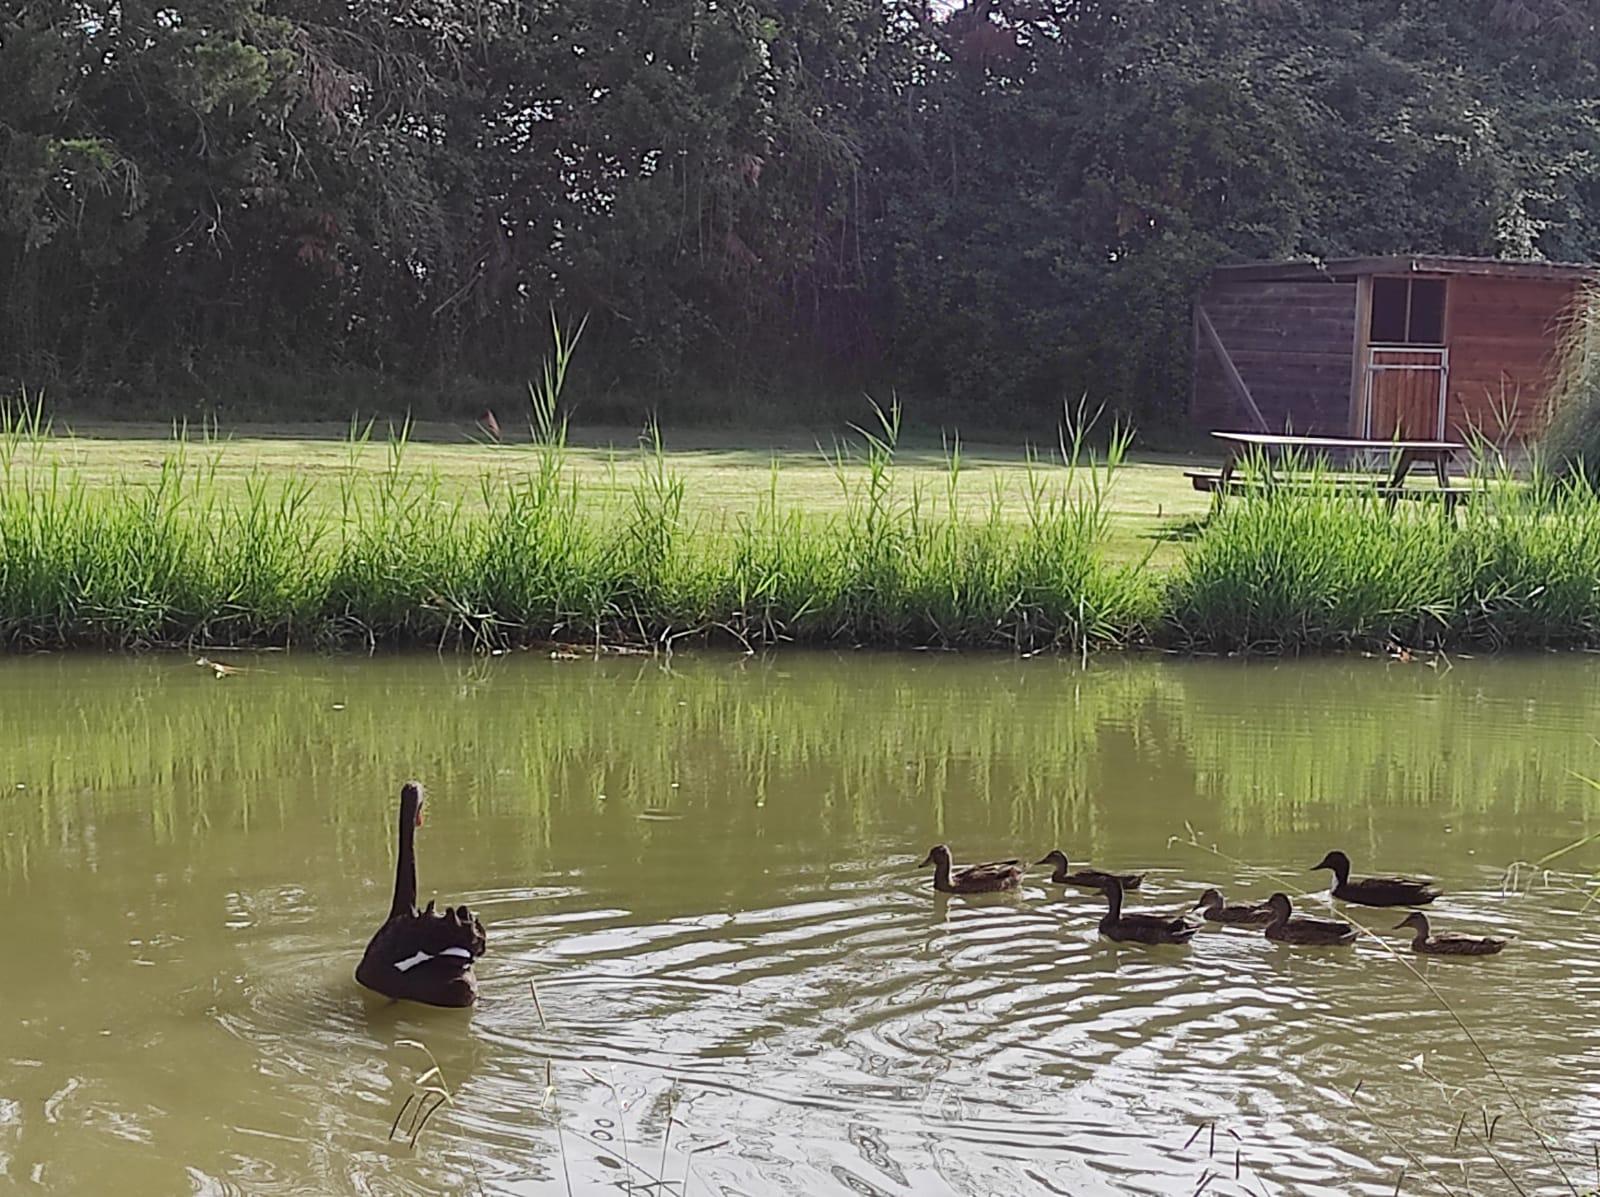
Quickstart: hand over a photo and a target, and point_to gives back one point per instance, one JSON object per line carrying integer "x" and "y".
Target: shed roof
{"x": 1331, "y": 269}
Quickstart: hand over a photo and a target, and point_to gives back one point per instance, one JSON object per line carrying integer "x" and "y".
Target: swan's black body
{"x": 421, "y": 956}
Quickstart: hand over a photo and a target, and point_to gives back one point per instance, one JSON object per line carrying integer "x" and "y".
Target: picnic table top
{"x": 1337, "y": 442}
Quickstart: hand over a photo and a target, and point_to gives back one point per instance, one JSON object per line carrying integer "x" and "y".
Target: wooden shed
{"x": 1416, "y": 347}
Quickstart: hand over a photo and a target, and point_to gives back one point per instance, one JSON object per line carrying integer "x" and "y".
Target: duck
{"x": 1140, "y": 927}
{"x": 1447, "y": 943}
{"x": 1236, "y": 914}
{"x": 971, "y": 879}
{"x": 421, "y": 956}
{"x": 1283, "y": 929}
{"x": 1086, "y": 878}
{"x": 1376, "y": 891}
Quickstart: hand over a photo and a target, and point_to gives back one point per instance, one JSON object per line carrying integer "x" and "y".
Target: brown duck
{"x": 971, "y": 879}
{"x": 1447, "y": 943}
{"x": 1139, "y": 927}
{"x": 421, "y": 956}
{"x": 1283, "y": 929}
{"x": 1086, "y": 878}
{"x": 1234, "y": 914}
{"x": 1376, "y": 891}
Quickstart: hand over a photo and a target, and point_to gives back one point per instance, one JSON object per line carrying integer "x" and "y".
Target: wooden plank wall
{"x": 1505, "y": 338}
{"x": 1292, "y": 343}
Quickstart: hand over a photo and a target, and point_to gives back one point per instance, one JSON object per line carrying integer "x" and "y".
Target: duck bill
{"x": 1037, "y": 863}
{"x": 1401, "y": 925}
{"x": 927, "y": 860}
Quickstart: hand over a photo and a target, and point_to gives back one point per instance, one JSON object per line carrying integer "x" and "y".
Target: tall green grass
{"x": 399, "y": 559}
{"x": 173, "y": 561}
{"x": 1327, "y": 568}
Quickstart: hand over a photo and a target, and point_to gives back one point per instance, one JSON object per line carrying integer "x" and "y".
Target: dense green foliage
{"x": 986, "y": 205}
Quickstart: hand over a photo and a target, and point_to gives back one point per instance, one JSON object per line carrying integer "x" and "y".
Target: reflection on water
{"x": 708, "y": 872}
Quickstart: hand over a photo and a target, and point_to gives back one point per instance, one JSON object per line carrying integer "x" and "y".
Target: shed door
{"x": 1407, "y": 367}
{"x": 1405, "y": 393}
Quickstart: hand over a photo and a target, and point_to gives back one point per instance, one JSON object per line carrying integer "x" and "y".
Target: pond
{"x": 706, "y": 872}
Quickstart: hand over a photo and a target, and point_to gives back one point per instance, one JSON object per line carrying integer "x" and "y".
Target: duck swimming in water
{"x": 1375, "y": 891}
{"x": 971, "y": 879}
{"x": 1447, "y": 943}
{"x": 1086, "y": 878}
{"x": 1283, "y": 929}
{"x": 1235, "y": 914}
{"x": 1139, "y": 927}
{"x": 421, "y": 956}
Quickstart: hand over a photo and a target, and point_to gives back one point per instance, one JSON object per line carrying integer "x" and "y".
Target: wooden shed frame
{"x": 1328, "y": 347}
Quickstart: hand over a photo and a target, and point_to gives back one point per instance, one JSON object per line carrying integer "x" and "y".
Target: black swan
{"x": 421, "y": 956}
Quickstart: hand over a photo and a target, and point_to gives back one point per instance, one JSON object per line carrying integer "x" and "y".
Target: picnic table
{"x": 1272, "y": 446}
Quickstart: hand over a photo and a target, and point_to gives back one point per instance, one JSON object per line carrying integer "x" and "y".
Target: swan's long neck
{"x": 1114, "y": 901}
{"x": 405, "y": 866}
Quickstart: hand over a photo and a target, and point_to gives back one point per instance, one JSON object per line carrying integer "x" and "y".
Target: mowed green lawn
{"x": 725, "y": 474}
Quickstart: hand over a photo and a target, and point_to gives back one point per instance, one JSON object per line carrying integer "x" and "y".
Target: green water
{"x": 708, "y": 871}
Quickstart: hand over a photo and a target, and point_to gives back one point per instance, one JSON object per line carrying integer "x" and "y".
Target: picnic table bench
{"x": 1271, "y": 446}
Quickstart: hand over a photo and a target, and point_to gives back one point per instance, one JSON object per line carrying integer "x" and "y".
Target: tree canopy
{"x": 986, "y": 205}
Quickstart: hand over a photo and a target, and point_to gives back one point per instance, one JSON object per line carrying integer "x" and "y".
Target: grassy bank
{"x": 539, "y": 548}
{"x": 132, "y": 542}
{"x": 1518, "y": 566}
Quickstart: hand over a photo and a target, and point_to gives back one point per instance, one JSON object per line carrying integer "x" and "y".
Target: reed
{"x": 400, "y": 560}
{"x": 1325, "y": 568}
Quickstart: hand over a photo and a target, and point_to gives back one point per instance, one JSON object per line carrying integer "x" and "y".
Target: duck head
{"x": 938, "y": 854}
{"x": 1056, "y": 857}
{"x": 1210, "y": 900}
{"x": 1281, "y": 907}
{"x": 1416, "y": 920}
{"x": 1335, "y": 860}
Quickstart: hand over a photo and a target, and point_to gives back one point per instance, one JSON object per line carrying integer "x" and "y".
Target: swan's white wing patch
{"x": 411, "y": 962}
